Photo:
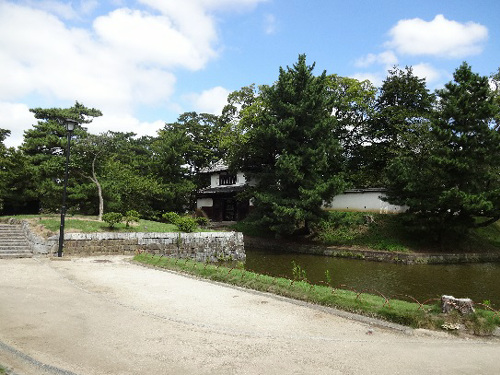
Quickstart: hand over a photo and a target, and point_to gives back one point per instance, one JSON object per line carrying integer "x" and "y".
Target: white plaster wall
{"x": 363, "y": 201}
{"x": 204, "y": 202}
{"x": 240, "y": 178}
{"x": 214, "y": 180}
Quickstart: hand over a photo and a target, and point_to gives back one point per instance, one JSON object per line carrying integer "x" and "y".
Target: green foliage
{"x": 4, "y": 370}
{"x": 490, "y": 233}
{"x": 201, "y": 134}
{"x": 454, "y": 176}
{"x": 171, "y": 217}
{"x": 4, "y": 160}
{"x": 328, "y": 278}
{"x": 112, "y": 218}
{"x": 354, "y": 108}
{"x": 202, "y": 221}
{"x": 131, "y": 216}
{"x": 346, "y": 218}
{"x": 298, "y": 272}
{"x": 288, "y": 149}
{"x": 187, "y": 224}
{"x": 382, "y": 232}
{"x": 403, "y": 109}
{"x": 45, "y": 147}
{"x": 251, "y": 227}
{"x": 301, "y": 140}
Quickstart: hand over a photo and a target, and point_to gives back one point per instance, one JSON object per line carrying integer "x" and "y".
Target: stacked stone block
{"x": 204, "y": 246}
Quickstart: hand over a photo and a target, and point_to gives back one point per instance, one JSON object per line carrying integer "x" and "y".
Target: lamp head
{"x": 70, "y": 124}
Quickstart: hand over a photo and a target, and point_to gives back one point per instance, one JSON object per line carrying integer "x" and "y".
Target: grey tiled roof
{"x": 217, "y": 167}
{"x": 222, "y": 189}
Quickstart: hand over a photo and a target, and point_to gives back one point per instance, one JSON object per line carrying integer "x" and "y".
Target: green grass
{"x": 3, "y": 370}
{"x": 350, "y": 229}
{"x": 490, "y": 234}
{"x": 397, "y": 311}
{"x": 385, "y": 232}
{"x": 89, "y": 224}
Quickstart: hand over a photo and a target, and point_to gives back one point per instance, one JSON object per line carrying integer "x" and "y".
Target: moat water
{"x": 478, "y": 281}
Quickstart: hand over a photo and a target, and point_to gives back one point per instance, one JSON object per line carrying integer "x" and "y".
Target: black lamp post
{"x": 70, "y": 126}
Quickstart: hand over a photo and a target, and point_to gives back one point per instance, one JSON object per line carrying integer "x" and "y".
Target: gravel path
{"x": 104, "y": 315}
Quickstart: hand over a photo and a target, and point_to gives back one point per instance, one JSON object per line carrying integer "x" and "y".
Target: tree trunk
{"x": 101, "y": 201}
{"x": 99, "y": 191}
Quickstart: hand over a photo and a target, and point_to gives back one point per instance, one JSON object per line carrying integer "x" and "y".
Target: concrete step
{"x": 15, "y": 251}
{"x": 15, "y": 255}
{"x": 5, "y": 247}
{"x": 13, "y": 242}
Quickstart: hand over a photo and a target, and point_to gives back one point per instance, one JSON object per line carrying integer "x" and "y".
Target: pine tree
{"x": 452, "y": 182}
{"x": 289, "y": 149}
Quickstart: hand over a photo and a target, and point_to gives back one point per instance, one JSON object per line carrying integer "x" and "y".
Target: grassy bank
{"x": 398, "y": 311}
{"x": 384, "y": 232}
{"x": 49, "y": 225}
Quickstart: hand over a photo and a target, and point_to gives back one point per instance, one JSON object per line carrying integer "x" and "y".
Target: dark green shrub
{"x": 202, "y": 221}
{"x": 346, "y": 218}
{"x": 186, "y": 224}
{"x": 171, "y": 217}
{"x": 112, "y": 218}
{"x": 131, "y": 216}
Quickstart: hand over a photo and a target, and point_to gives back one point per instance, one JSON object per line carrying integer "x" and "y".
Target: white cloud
{"x": 15, "y": 116}
{"x": 66, "y": 10}
{"x": 375, "y": 78}
{"x": 427, "y": 71}
{"x": 141, "y": 38}
{"x": 88, "y": 6}
{"x": 386, "y": 58}
{"x": 126, "y": 59}
{"x": 208, "y": 5}
{"x": 63, "y": 10}
{"x": 210, "y": 101}
{"x": 439, "y": 37}
{"x": 269, "y": 24}
{"x": 124, "y": 122}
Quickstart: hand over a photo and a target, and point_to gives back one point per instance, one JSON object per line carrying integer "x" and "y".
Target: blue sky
{"x": 144, "y": 62}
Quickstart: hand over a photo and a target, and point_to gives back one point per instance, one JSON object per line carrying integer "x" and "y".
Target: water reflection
{"x": 477, "y": 281}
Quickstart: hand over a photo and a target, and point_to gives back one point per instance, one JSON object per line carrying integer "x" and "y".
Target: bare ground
{"x": 104, "y": 315}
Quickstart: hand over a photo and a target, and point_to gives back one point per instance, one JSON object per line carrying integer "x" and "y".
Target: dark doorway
{"x": 229, "y": 209}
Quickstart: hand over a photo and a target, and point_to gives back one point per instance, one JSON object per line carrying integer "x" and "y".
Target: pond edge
{"x": 370, "y": 254}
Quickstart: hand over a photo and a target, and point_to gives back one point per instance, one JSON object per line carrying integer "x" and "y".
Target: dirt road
{"x": 107, "y": 316}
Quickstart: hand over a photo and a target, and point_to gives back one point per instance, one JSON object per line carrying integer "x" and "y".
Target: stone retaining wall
{"x": 372, "y": 255}
{"x": 204, "y": 246}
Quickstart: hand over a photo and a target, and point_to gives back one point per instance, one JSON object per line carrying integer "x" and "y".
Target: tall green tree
{"x": 45, "y": 144}
{"x": 452, "y": 182}
{"x": 15, "y": 180}
{"x": 288, "y": 149}
{"x": 4, "y": 166}
{"x": 354, "y": 109}
{"x": 202, "y": 137}
{"x": 403, "y": 109}
{"x": 232, "y": 119}
{"x": 495, "y": 80}
{"x": 117, "y": 174}
{"x": 90, "y": 156}
{"x": 171, "y": 168}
